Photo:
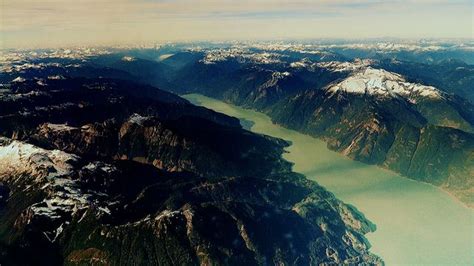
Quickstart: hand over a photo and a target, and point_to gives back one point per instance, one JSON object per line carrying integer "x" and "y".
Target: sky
{"x": 34, "y": 23}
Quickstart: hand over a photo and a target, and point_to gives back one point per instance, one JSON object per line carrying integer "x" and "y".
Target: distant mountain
{"x": 42, "y": 71}
{"x": 427, "y": 53}
{"x": 113, "y": 172}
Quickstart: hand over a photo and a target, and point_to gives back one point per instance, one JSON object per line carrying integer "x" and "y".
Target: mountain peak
{"x": 383, "y": 83}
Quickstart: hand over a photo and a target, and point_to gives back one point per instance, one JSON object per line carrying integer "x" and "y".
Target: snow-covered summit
{"x": 379, "y": 82}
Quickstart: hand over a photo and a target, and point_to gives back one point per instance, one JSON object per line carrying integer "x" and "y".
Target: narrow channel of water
{"x": 417, "y": 224}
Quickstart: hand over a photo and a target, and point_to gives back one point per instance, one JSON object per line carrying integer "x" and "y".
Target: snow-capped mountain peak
{"x": 379, "y": 82}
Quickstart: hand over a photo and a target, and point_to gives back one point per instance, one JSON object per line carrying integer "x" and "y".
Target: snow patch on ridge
{"x": 137, "y": 119}
{"x": 338, "y": 66}
{"x": 53, "y": 172}
{"x": 19, "y": 80}
{"x": 18, "y": 158}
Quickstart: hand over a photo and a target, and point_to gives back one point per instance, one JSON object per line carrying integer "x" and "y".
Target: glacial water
{"x": 417, "y": 224}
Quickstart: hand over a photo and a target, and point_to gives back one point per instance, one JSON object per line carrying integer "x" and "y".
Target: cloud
{"x": 101, "y": 20}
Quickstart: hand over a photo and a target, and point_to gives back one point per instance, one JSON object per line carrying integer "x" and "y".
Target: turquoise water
{"x": 417, "y": 224}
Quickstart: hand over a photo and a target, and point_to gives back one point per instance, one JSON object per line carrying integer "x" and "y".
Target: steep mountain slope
{"x": 378, "y": 117}
{"x": 248, "y": 84}
{"x": 110, "y": 172}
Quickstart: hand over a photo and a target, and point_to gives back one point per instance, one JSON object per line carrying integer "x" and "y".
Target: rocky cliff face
{"x": 96, "y": 171}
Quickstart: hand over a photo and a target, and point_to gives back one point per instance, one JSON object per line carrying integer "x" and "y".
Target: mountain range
{"x": 113, "y": 172}
{"x": 413, "y": 117}
{"x": 102, "y": 162}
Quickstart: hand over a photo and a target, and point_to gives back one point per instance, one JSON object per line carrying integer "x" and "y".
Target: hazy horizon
{"x": 27, "y": 23}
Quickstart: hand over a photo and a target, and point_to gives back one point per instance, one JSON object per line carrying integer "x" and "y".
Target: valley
{"x": 416, "y": 223}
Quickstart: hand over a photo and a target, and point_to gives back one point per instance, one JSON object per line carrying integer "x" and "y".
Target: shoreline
{"x": 441, "y": 188}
